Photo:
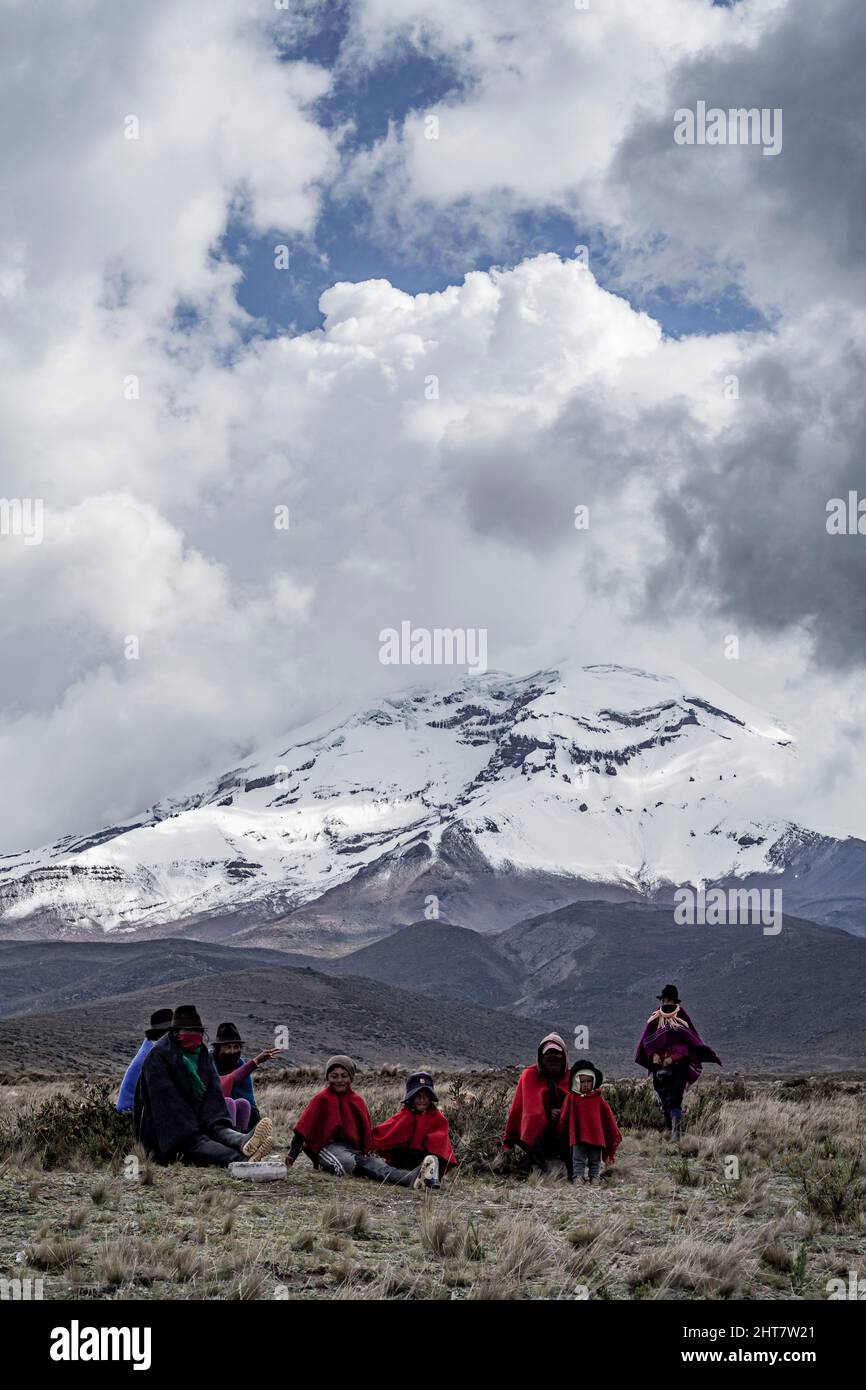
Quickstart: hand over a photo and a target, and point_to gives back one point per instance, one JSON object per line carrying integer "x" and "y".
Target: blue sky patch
{"x": 346, "y": 246}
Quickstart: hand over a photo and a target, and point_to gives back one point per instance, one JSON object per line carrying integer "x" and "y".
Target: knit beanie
{"x": 339, "y": 1061}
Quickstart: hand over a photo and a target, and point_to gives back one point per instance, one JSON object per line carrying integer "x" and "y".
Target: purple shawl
{"x": 683, "y": 1043}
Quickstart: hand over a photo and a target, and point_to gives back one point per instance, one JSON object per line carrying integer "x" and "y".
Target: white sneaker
{"x": 429, "y": 1175}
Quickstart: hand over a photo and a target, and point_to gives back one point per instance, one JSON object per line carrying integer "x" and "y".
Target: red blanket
{"x": 406, "y": 1130}
{"x": 530, "y": 1110}
{"x": 589, "y": 1120}
{"x": 330, "y": 1117}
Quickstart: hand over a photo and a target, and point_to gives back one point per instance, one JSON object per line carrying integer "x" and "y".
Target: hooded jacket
{"x": 169, "y": 1116}
{"x": 536, "y": 1097}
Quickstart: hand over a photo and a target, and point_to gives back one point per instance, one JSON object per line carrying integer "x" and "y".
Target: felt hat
{"x": 227, "y": 1033}
{"x": 671, "y": 993}
{"x": 585, "y": 1068}
{"x": 186, "y": 1016}
{"x": 160, "y": 1022}
{"x": 341, "y": 1061}
{"x": 419, "y": 1081}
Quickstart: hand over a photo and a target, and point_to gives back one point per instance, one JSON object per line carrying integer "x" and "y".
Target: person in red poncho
{"x": 532, "y": 1126}
{"x": 417, "y": 1129}
{"x": 334, "y": 1130}
{"x": 587, "y": 1124}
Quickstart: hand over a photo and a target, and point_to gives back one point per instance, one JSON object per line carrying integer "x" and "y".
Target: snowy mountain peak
{"x": 600, "y": 773}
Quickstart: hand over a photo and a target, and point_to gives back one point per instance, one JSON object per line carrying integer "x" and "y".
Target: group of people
{"x": 559, "y": 1113}
{"x": 198, "y": 1105}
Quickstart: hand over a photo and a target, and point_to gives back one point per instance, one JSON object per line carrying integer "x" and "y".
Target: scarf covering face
{"x": 226, "y": 1064}
{"x": 588, "y": 1119}
{"x": 530, "y": 1110}
{"x": 674, "y": 1035}
{"x": 427, "y": 1132}
{"x": 330, "y": 1118}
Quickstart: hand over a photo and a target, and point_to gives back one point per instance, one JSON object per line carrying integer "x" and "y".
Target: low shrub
{"x": 69, "y": 1127}
{"x": 833, "y": 1178}
{"x": 634, "y": 1104}
{"x": 477, "y": 1122}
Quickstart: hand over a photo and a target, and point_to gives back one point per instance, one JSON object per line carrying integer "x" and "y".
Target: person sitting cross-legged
{"x": 334, "y": 1131}
{"x": 179, "y": 1110}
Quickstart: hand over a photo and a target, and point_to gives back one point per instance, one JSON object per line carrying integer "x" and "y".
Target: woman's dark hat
{"x": 670, "y": 992}
{"x": 584, "y": 1065}
{"x": 186, "y": 1016}
{"x": 419, "y": 1081}
{"x": 160, "y": 1022}
{"x": 227, "y": 1033}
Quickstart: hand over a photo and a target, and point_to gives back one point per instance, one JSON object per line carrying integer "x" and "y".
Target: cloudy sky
{"x": 483, "y": 192}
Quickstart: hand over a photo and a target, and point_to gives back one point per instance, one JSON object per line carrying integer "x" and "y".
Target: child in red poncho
{"x": 417, "y": 1129}
{"x": 532, "y": 1126}
{"x": 587, "y": 1124}
{"x": 334, "y": 1130}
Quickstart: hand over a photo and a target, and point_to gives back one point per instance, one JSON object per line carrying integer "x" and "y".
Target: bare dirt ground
{"x": 764, "y": 1198}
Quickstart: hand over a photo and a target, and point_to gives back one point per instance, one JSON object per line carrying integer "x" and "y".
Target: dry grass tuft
{"x": 352, "y": 1220}
{"x": 57, "y": 1252}
{"x": 440, "y": 1233}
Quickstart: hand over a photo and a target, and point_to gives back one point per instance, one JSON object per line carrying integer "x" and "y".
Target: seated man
{"x": 417, "y": 1129}
{"x": 533, "y": 1120}
{"x": 160, "y": 1022}
{"x": 180, "y": 1112}
{"x": 334, "y": 1131}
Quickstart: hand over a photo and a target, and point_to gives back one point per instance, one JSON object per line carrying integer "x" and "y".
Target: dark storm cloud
{"x": 746, "y": 530}
{"x": 789, "y": 226}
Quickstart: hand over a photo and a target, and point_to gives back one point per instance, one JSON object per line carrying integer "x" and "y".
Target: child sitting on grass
{"x": 334, "y": 1131}
{"x": 417, "y": 1129}
{"x": 587, "y": 1124}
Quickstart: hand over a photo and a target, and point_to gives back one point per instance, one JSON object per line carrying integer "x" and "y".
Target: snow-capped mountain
{"x": 582, "y": 780}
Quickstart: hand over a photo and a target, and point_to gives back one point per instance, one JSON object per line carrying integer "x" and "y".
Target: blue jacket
{"x": 126, "y": 1094}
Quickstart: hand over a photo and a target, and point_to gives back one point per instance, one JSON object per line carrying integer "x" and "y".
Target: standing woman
{"x": 672, "y": 1051}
